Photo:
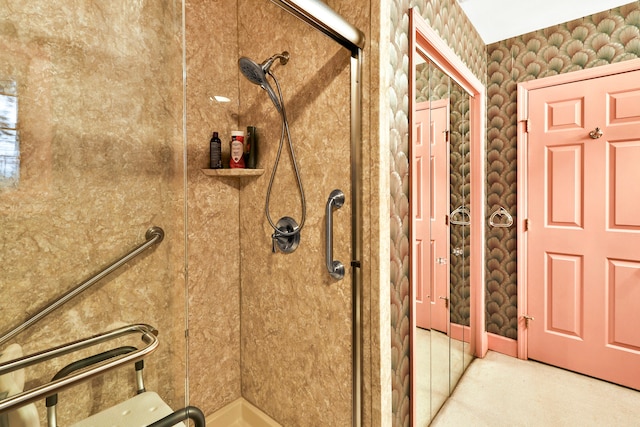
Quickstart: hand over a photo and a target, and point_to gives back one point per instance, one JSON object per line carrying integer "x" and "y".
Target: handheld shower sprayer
{"x": 286, "y": 235}
{"x": 257, "y": 73}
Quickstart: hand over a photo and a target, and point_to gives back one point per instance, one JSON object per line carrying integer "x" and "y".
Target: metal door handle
{"x": 336, "y": 268}
{"x": 596, "y": 133}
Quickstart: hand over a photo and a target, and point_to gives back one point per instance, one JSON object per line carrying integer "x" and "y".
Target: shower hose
{"x": 279, "y": 232}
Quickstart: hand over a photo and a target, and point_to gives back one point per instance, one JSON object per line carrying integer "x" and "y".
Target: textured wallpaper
{"x": 595, "y": 40}
{"x": 449, "y": 21}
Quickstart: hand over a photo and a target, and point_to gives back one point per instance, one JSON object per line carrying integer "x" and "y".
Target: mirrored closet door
{"x": 441, "y": 195}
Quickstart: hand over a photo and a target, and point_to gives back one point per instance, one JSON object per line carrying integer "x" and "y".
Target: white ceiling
{"x": 498, "y": 20}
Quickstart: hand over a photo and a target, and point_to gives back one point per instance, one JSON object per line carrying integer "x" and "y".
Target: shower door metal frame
{"x": 324, "y": 19}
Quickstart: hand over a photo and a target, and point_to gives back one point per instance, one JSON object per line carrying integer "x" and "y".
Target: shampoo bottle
{"x": 215, "y": 157}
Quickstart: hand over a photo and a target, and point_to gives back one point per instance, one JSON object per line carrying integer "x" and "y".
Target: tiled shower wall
{"x": 211, "y": 37}
{"x": 295, "y": 319}
{"x": 449, "y": 21}
{"x": 99, "y": 94}
{"x": 101, "y": 112}
{"x": 592, "y": 41}
{"x": 273, "y": 327}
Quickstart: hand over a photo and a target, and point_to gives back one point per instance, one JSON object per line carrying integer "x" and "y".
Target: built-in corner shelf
{"x": 239, "y": 173}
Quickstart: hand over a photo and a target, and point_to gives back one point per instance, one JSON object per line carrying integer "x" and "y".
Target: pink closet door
{"x": 584, "y": 227}
{"x": 421, "y": 175}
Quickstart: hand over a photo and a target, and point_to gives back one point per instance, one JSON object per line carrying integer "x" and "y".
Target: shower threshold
{"x": 240, "y": 413}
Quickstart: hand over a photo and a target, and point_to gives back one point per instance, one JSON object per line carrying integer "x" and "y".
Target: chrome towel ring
{"x": 501, "y": 218}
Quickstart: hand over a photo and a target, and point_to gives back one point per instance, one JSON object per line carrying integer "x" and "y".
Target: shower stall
{"x": 105, "y": 121}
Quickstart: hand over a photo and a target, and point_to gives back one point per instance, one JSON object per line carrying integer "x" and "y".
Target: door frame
{"x": 522, "y": 165}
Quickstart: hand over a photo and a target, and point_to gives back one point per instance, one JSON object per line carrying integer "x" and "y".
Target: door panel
{"x": 623, "y": 198}
{"x": 440, "y": 203}
{"x": 420, "y": 193}
{"x": 584, "y": 227}
{"x": 564, "y": 295}
{"x": 431, "y": 193}
{"x": 565, "y": 177}
{"x": 623, "y": 296}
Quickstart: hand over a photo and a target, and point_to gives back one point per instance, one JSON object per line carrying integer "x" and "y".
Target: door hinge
{"x": 527, "y": 319}
{"x": 527, "y": 125}
{"x": 526, "y": 224}
{"x": 446, "y": 301}
{"x": 446, "y": 220}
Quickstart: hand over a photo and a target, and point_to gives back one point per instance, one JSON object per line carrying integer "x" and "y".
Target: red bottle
{"x": 237, "y": 150}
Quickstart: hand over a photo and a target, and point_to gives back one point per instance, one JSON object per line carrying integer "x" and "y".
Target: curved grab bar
{"x": 149, "y": 336}
{"x": 501, "y": 213}
{"x": 462, "y": 211}
{"x": 335, "y": 268}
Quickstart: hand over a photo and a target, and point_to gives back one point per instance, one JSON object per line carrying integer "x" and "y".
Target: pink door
{"x": 421, "y": 173}
{"x": 584, "y": 227}
{"x": 431, "y": 196}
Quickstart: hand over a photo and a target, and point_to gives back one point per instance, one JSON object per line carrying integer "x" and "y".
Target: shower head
{"x": 257, "y": 73}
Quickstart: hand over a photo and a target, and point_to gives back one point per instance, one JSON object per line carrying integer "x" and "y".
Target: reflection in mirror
{"x": 459, "y": 233}
{"x": 422, "y": 300}
{"x": 443, "y": 113}
{"x": 437, "y": 197}
{"x": 9, "y": 141}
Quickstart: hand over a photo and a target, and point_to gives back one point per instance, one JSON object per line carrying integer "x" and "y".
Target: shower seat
{"x": 146, "y": 408}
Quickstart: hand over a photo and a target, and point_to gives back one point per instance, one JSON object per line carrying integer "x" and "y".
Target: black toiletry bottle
{"x": 216, "y": 152}
{"x": 251, "y": 147}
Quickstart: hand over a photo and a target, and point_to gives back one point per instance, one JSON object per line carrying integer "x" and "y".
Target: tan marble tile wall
{"x": 227, "y": 258}
{"x": 214, "y": 234}
{"x": 99, "y": 119}
{"x": 101, "y": 128}
{"x": 373, "y": 20}
{"x": 296, "y": 320}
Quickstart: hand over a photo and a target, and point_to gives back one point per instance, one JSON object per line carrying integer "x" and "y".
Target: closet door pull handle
{"x": 335, "y": 268}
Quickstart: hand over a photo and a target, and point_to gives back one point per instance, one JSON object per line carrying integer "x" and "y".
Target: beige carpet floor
{"x": 504, "y": 391}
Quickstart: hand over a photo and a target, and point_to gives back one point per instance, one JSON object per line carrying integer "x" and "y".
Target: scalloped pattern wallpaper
{"x": 446, "y": 17}
{"x": 592, "y": 41}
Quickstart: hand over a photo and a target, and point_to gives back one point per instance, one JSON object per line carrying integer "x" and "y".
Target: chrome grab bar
{"x": 149, "y": 336}
{"x": 154, "y": 235}
{"x": 336, "y": 268}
